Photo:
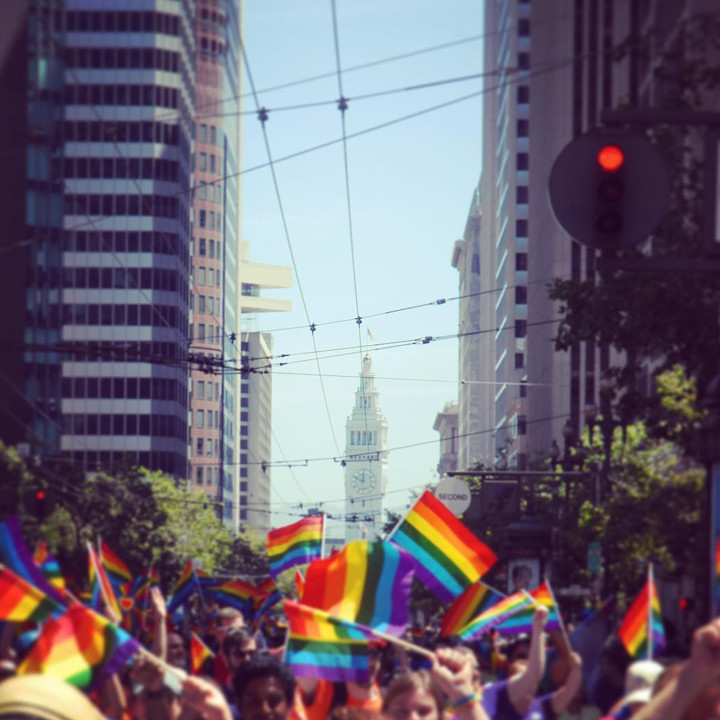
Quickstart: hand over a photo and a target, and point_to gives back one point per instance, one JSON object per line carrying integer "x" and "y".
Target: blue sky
{"x": 410, "y": 189}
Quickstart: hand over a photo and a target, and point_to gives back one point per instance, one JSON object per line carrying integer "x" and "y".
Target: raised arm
{"x": 526, "y": 683}
{"x": 453, "y": 672}
{"x": 564, "y": 695}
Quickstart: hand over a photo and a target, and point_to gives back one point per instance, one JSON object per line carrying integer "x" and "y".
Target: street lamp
{"x": 602, "y": 418}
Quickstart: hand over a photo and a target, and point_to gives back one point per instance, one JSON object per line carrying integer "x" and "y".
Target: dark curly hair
{"x": 263, "y": 665}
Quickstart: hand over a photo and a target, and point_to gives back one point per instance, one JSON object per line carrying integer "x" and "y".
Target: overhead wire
{"x": 287, "y": 238}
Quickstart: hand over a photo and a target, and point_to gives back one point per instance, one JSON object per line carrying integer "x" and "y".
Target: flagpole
{"x": 557, "y": 609}
{"x": 651, "y": 585}
{"x": 401, "y": 521}
{"x": 93, "y": 559}
{"x": 322, "y": 540}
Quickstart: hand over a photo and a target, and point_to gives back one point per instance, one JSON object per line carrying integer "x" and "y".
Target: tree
{"x": 653, "y": 509}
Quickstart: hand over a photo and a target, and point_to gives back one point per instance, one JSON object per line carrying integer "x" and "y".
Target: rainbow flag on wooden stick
{"x": 199, "y": 653}
{"x": 296, "y": 544}
{"x": 495, "y": 615}
{"x": 185, "y": 586}
{"x": 102, "y": 589}
{"x": 473, "y": 602}
{"x": 80, "y": 647}
{"x": 116, "y": 570}
{"x": 15, "y": 554}
{"x": 522, "y": 622}
{"x": 642, "y": 631}
{"x": 21, "y": 601}
{"x": 367, "y": 583}
{"x": 323, "y": 646}
{"x": 449, "y": 558}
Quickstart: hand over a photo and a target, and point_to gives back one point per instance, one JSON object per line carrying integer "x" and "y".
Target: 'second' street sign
{"x": 455, "y": 493}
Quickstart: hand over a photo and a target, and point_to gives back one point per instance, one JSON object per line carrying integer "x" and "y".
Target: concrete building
{"x": 126, "y": 167}
{"x": 255, "y": 407}
{"x": 542, "y": 95}
{"x": 365, "y": 460}
{"x": 492, "y": 257}
{"x": 446, "y": 423}
{"x": 474, "y": 444}
{"x": 213, "y": 419}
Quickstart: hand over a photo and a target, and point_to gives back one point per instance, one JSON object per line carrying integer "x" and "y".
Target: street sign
{"x": 455, "y": 493}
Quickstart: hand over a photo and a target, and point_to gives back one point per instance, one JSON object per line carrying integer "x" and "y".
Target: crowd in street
{"x": 536, "y": 677}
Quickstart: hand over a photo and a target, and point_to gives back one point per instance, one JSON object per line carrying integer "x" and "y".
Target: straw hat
{"x": 46, "y": 697}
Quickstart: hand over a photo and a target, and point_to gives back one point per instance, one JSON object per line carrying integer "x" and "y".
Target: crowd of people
{"x": 247, "y": 679}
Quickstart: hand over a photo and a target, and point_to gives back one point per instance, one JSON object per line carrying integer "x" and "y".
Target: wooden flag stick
{"x": 411, "y": 647}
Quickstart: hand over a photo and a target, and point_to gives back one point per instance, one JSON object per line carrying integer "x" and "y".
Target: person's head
{"x": 176, "y": 651}
{"x": 227, "y": 617}
{"x": 44, "y": 697}
{"x": 413, "y": 696}
{"x": 343, "y": 712}
{"x": 238, "y": 647}
{"x": 264, "y": 688}
{"x": 519, "y": 649}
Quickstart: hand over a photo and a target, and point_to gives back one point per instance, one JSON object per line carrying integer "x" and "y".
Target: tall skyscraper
{"x": 493, "y": 256}
{"x": 255, "y": 421}
{"x": 98, "y": 253}
{"x": 214, "y": 278}
{"x": 534, "y": 105}
{"x": 365, "y": 460}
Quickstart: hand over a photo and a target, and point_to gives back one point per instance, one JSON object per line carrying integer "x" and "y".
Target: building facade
{"x": 215, "y": 320}
{"x": 446, "y": 423}
{"x": 365, "y": 460}
{"x": 255, "y": 407}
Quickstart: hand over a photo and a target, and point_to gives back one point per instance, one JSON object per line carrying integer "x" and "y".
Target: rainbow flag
{"x": 299, "y": 584}
{"x": 102, "y": 589}
{"x": 50, "y": 568}
{"x": 80, "y": 647}
{"x": 199, "y": 653}
{"x": 15, "y": 554}
{"x": 116, "y": 570}
{"x": 449, "y": 557}
{"x": 474, "y": 601}
{"x": 522, "y": 622}
{"x": 323, "y": 646}
{"x": 295, "y": 544}
{"x": 238, "y": 593}
{"x": 366, "y": 582}
{"x": 493, "y": 616}
{"x": 21, "y": 601}
{"x": 185, "y": 586}
{"x": 641, "y": 630}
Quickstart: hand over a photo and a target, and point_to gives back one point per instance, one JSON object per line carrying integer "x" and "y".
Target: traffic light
{"x": 40, "y": 504}
{"x": 609, "y": 189}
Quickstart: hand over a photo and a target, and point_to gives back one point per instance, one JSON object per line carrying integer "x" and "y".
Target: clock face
{"x": 362, "y": 482}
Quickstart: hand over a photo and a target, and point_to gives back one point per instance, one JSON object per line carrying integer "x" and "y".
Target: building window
{"x": 521, "y": 295}
{"x": 523, "y": 94}
{"x": 203, "y": 161}
{"x": 522, "y": 425}
{"x": 200, "y": 390}
{"x": 521, "y": 262}
{"x": 523, "y": 27}
{"x": 200, "y": 419}
{"x": 522, "y": 161}
{"x": 524, "y": 61}
{"x": 521, "y": 194}
{"x": 519, "y": 363}
{"x": 200, "y": 447}
{"x": 521, "y": 228}
{"x": 523, "y": 128}
{"x": 203, "y": 133}
{"x": 213, "y": 135}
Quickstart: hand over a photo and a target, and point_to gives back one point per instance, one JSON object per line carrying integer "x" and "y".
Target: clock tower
{"x": 365, "y": 461}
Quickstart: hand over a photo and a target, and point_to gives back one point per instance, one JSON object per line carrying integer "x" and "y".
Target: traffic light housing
{"x": 609, "y": 189}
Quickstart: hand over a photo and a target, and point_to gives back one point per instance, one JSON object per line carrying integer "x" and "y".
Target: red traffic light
{"x": 40, "y": 495}
{"x": 610, "y": 158}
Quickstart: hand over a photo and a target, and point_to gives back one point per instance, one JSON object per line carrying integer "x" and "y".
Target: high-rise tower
{"x": 366, "y": 460}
